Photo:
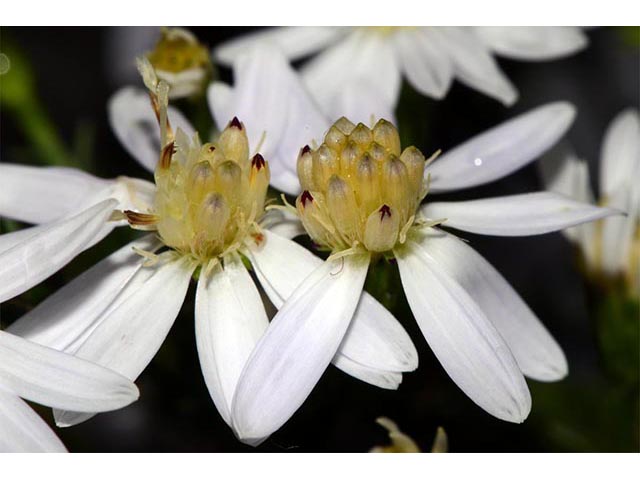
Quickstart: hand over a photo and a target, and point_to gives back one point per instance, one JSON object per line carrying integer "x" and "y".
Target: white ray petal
{"x": 65, "y": 319}
{"x": 538, "y": 355}
{"x": 230, "y": 319}
{"x": 533, "y": 43}
{"x": 295, "y": 42}
{"x": 135, "y": 125}
{"x": 427, "y": 66}
{"x": 44, "y": 194}
{"x": 297, "y": 347}
{"x": 569, "y": 176}
{"x": 279, "y": 114}
{"x": 474, "y": 65}
{"x": 361, "y": 55}
{"x": 41, "y": 255}
{"x": 618, "y": 233}
{"x": 361, "y": 101}
{"x": 374, "y": 338}
{"x": 620, "y": 156}
{"x": 516, "y": 215}
{"x": 378, "y": 378}
{"x": 503, "y": 149}
{"x": 466, "y": 343}
{"x": 55, "y": 379}
{"x": 282, "y": 223}
{"x": 132, "y": 330}
{"x": 22, "y": 430}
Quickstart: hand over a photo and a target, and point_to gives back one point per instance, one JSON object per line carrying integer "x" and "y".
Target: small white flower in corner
{"x": 611, "y": 247}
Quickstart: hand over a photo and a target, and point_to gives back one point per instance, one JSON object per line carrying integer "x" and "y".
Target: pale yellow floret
{"x": 361, "y": 191}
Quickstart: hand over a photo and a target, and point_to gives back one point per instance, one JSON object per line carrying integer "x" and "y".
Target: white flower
{"x": 361, "y": 200}
{"x": 207, "y": 209}
{"x": 610, "y": 247}
{"x": 371, "y": 61}
{"x": 55, "y": 379}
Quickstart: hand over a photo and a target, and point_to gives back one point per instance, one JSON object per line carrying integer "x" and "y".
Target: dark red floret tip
{"x": 305, "y": 149}
{"x": 384, "y": 210}
{"x": 306, "y": 197}
{"x": 258, "y": 161}
{"x": 236, "y": 123}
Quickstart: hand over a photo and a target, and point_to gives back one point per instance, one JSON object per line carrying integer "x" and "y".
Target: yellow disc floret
{"x": 359, "y": 188}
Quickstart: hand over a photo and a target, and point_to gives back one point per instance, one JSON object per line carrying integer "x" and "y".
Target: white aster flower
{"x": 370, "y": 61}
{"x": 54, "y": 379}
{"x": 610, "y": 247}
{"x": 361, "y": 200}
{"x": 208, "y": 212}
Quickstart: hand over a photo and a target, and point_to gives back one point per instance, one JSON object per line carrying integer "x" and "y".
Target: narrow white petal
{"x": 569, "y": 176}
{"x": 65, "y": 319}
{"x": 620, "y": 156}
{"x": 220, "y": 101}
{"x": 427, "y": 66}
{"x": 618, "y": 234}
{"x": 22, "y": 430}
{"x": 516, "y": 215}
{"x": 135, "y": 125}
{"x": 377, "y": 378}
{"x": 58, "y": 380}
{"x": 230, "y": 319}
{"x": 295, "y": 42}
{"x": 132, "y": 330}
{"x": 51, "y": 248}
{"x": 44, "y": 194}
{"x": 297, "y": 347}
{"x": 538, "y": 355}
{"x": 374, "y": 338}
{"x": 502, "y": 149}
{"x": 361, "y": 55}
{"x": 466, "y": 343}
{"x": 474, "y": 65}
{"x": 279, "y": 114}
{"x": 10, "y": 240}
{"x": 533, "y": 43}
{"x": 361, "y": 101}
{"x": 282, "y": 223}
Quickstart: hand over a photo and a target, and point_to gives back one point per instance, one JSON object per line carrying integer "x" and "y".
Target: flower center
{"x": 178, "y": 50}
{"x": 359, "y": 189}
{"x": 209, "y": 196}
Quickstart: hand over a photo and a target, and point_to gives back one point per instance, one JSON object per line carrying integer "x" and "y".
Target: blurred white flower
{"x": 54, "y": 379}
{"x": 372, "y": 60}
{"x": 362, "y": 200}
{"x": 610, "y": 247}
{"x": 208, "y": 209}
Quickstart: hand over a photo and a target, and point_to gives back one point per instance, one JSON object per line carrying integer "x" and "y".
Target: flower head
{"x": 181, "y": 61}
{"x": 359, "y": 188}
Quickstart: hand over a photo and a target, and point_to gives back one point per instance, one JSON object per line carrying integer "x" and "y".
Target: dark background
{"x": 76, "y": 71}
